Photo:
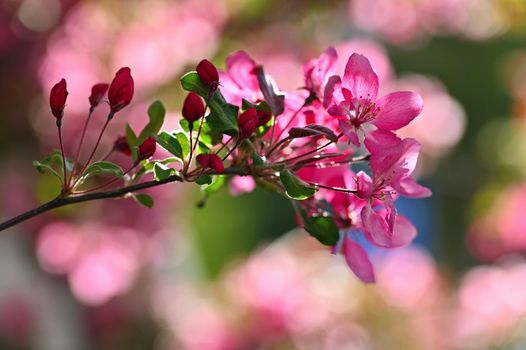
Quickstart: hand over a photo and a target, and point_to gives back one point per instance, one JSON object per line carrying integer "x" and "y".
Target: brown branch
{"x": 61, "y": 201}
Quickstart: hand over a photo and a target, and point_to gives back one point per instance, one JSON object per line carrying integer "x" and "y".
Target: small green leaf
{"x": 295, "y": 187}
{"x": 131, "y": 138}
{"x": 170, "y": 143}
{"x": 144, "y": 199}
{"x": 217, "y": 183}
{"x": 184, "y": 142}
{"x": 53, "y": 164}
{"x": 102, "y": 168}
{"x": 247, "y": 105}
{"x": 162, "y": 172}
{"x": 323, "y": 228}
{"x": 156, "y": 113}
{"x": 204, "y": 180}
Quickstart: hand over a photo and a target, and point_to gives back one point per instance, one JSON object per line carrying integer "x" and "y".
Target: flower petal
{"x": 358, "y": 261}
{"x": 410, "y": 188}
{"x": 349, "y": 131}
{"x": 397, "y": 110}
{"x": 377, "y": 230}
{"x": 360, "y": 78}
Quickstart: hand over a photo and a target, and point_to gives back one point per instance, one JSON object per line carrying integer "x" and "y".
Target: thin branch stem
{"x": 65, "y": 174}
{"x": 82, "y": 135}
{"x": 93, "y": 151}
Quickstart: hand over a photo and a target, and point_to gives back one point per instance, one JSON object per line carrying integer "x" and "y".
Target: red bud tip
{"x": 57, "y": 99}
{"x": 248, "y": 122}
{"x": 211, "y": 161}
{"x": 147, "y": 148}
{"x": 121, "y": 145}
{"x": 193, "y": 108}
{"x": 120, "y": 92}
{"x": 208, "y": 74}
{"x": 97, "y": 93}
{"x": 263, "y": 117}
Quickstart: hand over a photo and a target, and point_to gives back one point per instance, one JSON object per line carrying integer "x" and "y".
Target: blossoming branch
{"x": 238, "y": 124}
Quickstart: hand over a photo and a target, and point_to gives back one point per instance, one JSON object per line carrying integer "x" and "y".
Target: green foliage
{"x": 144, "y": 199}
{"x": 53, "y": 164}
{"x": 296, "y": 188}
{"x": 156, "y": 114}
{"x": 223, "y": 115}
{"x": 101, "y": 168}
{"x": 162, "y": 172}
{"x": 323, "y": 228}
{"x": 175, "y": 143}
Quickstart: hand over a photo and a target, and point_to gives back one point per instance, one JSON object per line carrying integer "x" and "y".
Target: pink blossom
{"x": 318, "y": 70}
{"x": 242, "y": 184}
{"x": 353, "y": 99}
{"x": 239, "y": 81}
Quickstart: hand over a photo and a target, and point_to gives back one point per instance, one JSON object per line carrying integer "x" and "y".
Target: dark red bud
{"x": 147, "y": 148}
{"x": 97, "y": 93}
{"x": 193, "y": 108}
{"x": 263, "y": 117}
{"x": 57, "y": 99}
{"x": 248, "y": 122}
{"x": 120, "y": 92}
{"x": 211, "y": 161}
{"x": 121, "y": 145}
{"x": 208, "y": 74}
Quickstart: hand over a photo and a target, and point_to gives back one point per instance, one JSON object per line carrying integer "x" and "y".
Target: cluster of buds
{"x": 120, "y": 94}
{"x": 303, "y": 144}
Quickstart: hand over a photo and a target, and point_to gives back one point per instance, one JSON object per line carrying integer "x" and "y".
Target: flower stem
{"x": 83, "y": 134}
{"x": 65, "y": 175}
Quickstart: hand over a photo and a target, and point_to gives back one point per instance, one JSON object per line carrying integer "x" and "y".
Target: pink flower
{"x": 318, "y": 70}
{"x": 358, "y": 260}
{"x": 248, "y": 122}
{"x": 208, "y": 74}
{"x": 240, "y": 81}
{"x": 392, "y": 162}
{"x": 147, "y": 148}
{"x": 353, "y": 99}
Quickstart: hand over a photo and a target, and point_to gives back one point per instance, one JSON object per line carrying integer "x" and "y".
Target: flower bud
{"x": 208, "y": 74}
{"x": 248, "y": 122}
{"x": 263, "y": 117}
{"x": 120, "y": 92}
{"x": 97, "y": 93}
{"x": 193, "y": 108}
{"x": 57, "y": 100}
{"x": 147, "y": 148}
{"x": 121, "y": 145}
{"x": 211, "y": 161}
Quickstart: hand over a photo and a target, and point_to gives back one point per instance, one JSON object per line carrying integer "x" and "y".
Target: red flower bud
{"x": 97, "y": 93}
{"x": 208, "y": 74}
{"x": 263, "y": 117}
{"x": 248, "y": 122}
{"x": 57, "y": 99}
{"x": 121, "y": 145}
{"x": 211, "y": 161}
{"x": 193, "y": 108}
{"x": 121, "y": 90}
{"x": 147, "y": 148}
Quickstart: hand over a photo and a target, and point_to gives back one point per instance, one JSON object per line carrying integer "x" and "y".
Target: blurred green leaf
{"x": 156, "y": 113}
{"x": 144, "y": 199}
{"x": 295, "y": 187}
{"x": 204, "y": 180}
{"x": 162, "y": 172}
{"x": 323, "y": 228}
{"x": 53, "y": 164}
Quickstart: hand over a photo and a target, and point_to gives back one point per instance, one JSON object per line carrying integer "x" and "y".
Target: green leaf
{"x": 53, "y": 164}
{"x": 223, "y": 115}
{"x": 204, "y": 180}
{"x": 171, "y": 143}
{"x": 217, "y": 183}
{"x": 162, "y": 172}
{"x": 144, "y": 199}
{"x": 323, "y": 228}
{"x": 247, "y": 105}
{"x": 102, "y": 168}
{"x": 295, "y": 187}
{"x": 131, "y": 138}
{"x": 156, "y": 113}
